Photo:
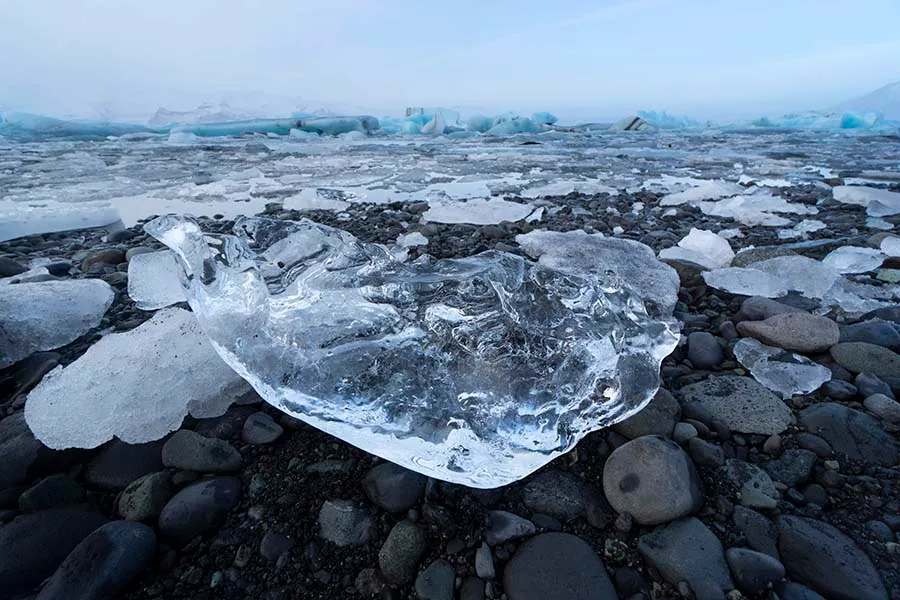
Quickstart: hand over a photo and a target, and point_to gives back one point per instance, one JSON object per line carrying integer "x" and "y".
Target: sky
{"x": 582, "y": 59}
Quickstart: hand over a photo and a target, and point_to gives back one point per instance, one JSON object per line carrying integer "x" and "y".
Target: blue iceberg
{"x": 663, "y": 120}
{"x": 17, "y": 125}
{"x": 544, "y": 118}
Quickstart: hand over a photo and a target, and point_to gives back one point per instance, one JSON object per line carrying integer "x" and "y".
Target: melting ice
{"x": 476, "y": 370}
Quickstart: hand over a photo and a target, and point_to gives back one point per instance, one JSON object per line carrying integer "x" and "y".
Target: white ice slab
{"x": 476, "y": 211}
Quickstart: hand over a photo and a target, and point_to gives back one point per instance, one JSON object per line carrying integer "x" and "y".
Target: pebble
{"x": 684, "y": 432}
{"x": 821, "y": 556}
{"x": 753, "y": 572}
{"x": 484, "y": 562}
{"x": 274, "y": 545}
{"x": 868, "y": 384}
{"x": 97, "y": 261}
{"x": 657, "y": 418}
{"x": 859, "y": 357}
{"x": 104, "y": 564}
{"x": 796, "y": 591}
{"x": 812, "y": 442}
{"x": 757, "y": 308}
{"x": 557, "y": 565}
{"x": 132, "y": 252}
{"x": 759, "y": 531}
{"x": 394, "y": 488}
{"x": 880, "y": 333}
{"x": 556, "y": 493}
{"x": 755, "y": 487}
{"x": 227, "y": 426}
{"x": 343, "y": 523}
{"x": 772, "y": 446}
{"x": 686, "y": 550}
{"x": 260, "y": 429}
{"x": 472, "y": 589}
{"x": 145, "y": 498}
{"x": 880, "y": 530}
{"x": 23, "y": 455}
{"x": 795, "y": 331}
{"x": 838, "y": 389}
{"x": 852, "y": 433}
{"x": 706, "y": 454}
{"x": 199, "y": 508}
{"x": 815, "y": 494}
{"x": 792, "y": 468}
{"x": 704, "y": 350}
{"x": 401, "y": 552}
{"x": 740, "y": 403}
{"x": 191, "y": 451}
{"x": 119, "y": 464}
{"x": 436, "y": 581}
{"x": 35, "y": 544}
{"x": 54, "y": 491}
{"x": 9, "y": 267}
{"x": 505, "y": 526}
{"x": 653, "y": 480}
{"x": 883, "y": 407}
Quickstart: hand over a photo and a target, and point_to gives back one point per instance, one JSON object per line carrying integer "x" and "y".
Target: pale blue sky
{"x": 707, "y": 58}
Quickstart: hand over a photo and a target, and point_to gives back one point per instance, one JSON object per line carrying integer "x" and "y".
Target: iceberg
{"x": 48, "y": 314}
{"x": 152, "y": 377}
{"x": 479, "y": 123}
{"x": 701, "y": 247}
{"x": 16, "y": 125}
{"x": 154, "y": 280}
{"x": 544, "y": 118}
{"x": 779, "y": 370}
{"x": 632, "y": 123}
{"x": 476, "y": 370}
{"x": 663, "y": 120}
{"x": 517, "y": 125}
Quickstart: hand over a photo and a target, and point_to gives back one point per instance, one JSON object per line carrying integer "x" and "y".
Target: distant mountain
{"x": 885, "y": 100}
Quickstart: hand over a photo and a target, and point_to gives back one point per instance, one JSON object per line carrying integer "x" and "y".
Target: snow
{"x": 48, "y": 314}
{"x": 701, "y": 247}
{"x": 154, "y": 280}
{"x": 136, "y": 386}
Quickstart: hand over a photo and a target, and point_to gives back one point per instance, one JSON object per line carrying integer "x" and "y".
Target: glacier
{"x": 476, "y": 370}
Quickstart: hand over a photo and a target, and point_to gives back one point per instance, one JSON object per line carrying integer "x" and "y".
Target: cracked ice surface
{"x": 783, "y": 372}
{"x": 48, "y": 314}
{"x": 476, "y": 370}
{"x": 153, "y": 376}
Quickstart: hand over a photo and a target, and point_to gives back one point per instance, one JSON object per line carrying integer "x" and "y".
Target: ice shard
{"x": 800, "y": 273}
{"x": 475, "y": 370}
{"x": 781, "y": 371}
{"x": 746, "y": 282}
{"x": 854, "y": 259}
{"x": 701, "y": 247}
{"x": 48, "y": 314}
{"x": 154, "y": 280}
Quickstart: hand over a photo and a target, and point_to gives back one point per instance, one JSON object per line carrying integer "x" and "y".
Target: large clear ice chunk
{"x": 48, "y": 314}
{"x": 746, "y": 282}
{"x": 154, "y": 280}
{"x": 779, "y": 370}
{"x": 476, "y": 370}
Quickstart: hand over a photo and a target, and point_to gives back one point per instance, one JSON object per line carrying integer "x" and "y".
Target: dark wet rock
{"x": 119, "y": 464}
{"x": 757, "y": 308}
{"x": 9, "y": 267}
{"x": 754, "y": 486}
{"x": 401, "y": 552}
{"x": 749, "y": 256}
{"x": 199, "y": 508}
{"x": 556, "y": 493}
{"x": 103, "y": 564}
{"x": 815, "y": 494}
{"x": 839, "y": 390}
{"x": 144, "y": 498}
{"x": 821, "y": 556}
{"x": 394, "y": 488}
{"x": 880, "y": 530}
{"x": 706, "y": 454}
{"x": 344, "y": 523}
{"x": 59, "y": 268}
{"x": 760, "y": 532}
{"x": 132, "y": 252}
{"x": 27, "y": 373}
{"x": 472, "y": 589}
{"x": 798, "y": 332}
{"x": 792, "y": 468}
{"x": 683, "y": 433}
{"x": 484, "y": 561}
{"x": 851, "y": 433}
{"x": 557, "y": 565}
{"x": 860, "y": 357}
{"x": 505, "y": 526}
{"x": 740, "y": 403}
{"x": 704, "y": 350}
{"x": 274, "y": 545}
{"x": 436, "y": 581}
{"x": 812, "y": 442}
{"x": 687, "y": 550}
{"x": 33, "y": 546}
{"x": 753, "y": 571}
{"x": 657, "y": 418}
{"x": 54, "y": 491}
{"x": 97, "y": 261}
{"x": 880, "y": 333}
{"x": 869, "y": 384}
{"x": 653, "y": 480}
{"x": 226, "y": 427}
{"x": 193, "y": 452}
{"x": 883, "y": 407}
{"x": 23, "y": 456}
{"x": 260, "y": 428}
{"x": 796, "y": 591}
